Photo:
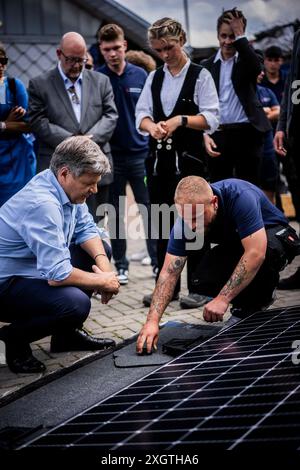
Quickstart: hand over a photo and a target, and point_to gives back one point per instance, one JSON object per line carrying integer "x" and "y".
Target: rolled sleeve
{"x": 144, "y": 106}
{"x": 58, "y": 272}
{"x": 41, "y": 229}
{"x": 85, "y": 227}
{"x": 206, "y": 97}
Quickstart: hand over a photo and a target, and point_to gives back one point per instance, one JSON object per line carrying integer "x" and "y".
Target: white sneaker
{"x": 123, "y": 276}
{"x": 139, "y": 256}
{"x": 146, "y": 261}
{"x": 96, "y": 296}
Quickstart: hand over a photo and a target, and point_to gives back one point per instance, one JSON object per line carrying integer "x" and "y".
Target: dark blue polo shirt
{"x": 278, "y": 87}
{"x": 243, "y": 209}
{"x": 268, "y": 99}
{"x": 127, "y": 89}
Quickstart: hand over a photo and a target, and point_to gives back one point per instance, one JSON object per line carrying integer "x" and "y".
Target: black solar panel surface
{"x": 239, "y": 389}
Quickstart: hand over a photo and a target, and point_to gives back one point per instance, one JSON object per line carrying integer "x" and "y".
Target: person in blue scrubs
{"x": 17, "y": 156}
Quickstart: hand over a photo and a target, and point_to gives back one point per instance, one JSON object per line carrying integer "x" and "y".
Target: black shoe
{"x": 79, "y": 340}
{"x": 147, "y": 299}
{"x": 193, "y": 300}
{"x": 21, "y": 361}
{"x": 292, "y": 282}
{"x": 29, "y": 365}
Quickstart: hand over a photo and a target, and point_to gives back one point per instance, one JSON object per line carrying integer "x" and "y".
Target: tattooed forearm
{"x": 237, "y": 278}
{"x": 176, "y": 266}
{"x": 165, "y": 287}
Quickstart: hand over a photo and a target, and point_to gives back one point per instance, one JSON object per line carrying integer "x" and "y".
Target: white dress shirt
{"x": 205, "y": 96}
{"x": 77, "y": 85}
{"x": 231, "y": 110}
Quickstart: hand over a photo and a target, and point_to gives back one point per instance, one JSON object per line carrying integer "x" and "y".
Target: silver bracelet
{"x": 2, "y": 126}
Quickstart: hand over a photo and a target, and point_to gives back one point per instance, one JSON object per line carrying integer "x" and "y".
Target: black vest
{"x": 183, "y": 152}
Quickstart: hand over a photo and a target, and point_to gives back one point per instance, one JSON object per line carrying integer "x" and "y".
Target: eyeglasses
{"x": 74, "y": 60}
{"x": 89, "y": 66}
{"x": 3, "y": 60}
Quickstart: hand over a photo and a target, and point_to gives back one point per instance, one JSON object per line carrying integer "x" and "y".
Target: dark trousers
{"x": 132, "y": 170}
{"x": 162, "y": 185}
{"x": 291, "y": 169}
{"x": 216, "y": 265}
{"x": 35, "y": 310}
{"x": 241, "y": 152}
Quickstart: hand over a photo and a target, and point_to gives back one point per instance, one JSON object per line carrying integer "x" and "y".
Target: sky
{"x": 261, "y": 14}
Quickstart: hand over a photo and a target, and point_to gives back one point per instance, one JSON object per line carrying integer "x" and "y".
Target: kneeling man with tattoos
{"x": 247, "y": 242}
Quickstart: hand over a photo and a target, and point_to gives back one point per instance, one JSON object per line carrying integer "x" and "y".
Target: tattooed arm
{"x": 255, "y": 247}
{"x": 162, "y": 295}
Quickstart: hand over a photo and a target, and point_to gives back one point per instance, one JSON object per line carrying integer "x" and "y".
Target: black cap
{"x": 273, "y": 52}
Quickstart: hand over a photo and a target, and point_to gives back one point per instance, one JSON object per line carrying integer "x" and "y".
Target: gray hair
{"x": 81, "y": 155}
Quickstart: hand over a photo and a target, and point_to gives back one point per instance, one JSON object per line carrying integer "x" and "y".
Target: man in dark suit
{"x": 287, "y": 138}
{"x": 236, "y": 148}
{"x": 69, "y": 100}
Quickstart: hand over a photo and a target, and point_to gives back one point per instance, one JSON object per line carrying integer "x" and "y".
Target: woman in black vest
{"x": 178, "y": 102}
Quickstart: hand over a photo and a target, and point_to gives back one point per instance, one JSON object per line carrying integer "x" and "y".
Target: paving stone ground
{"x": 121, "y": 319}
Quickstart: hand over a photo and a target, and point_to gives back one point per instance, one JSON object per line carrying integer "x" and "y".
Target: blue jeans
{"x": 35, "y": 310}
{"x": 132, "y": 170}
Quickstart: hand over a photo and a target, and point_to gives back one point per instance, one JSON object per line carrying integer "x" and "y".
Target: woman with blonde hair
{"x": 178, "y": 102}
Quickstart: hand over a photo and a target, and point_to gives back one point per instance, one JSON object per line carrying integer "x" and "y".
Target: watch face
{"x": 184, "y": 121}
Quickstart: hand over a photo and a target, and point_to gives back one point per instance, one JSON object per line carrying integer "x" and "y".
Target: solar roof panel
{"x": 237, "y": 390}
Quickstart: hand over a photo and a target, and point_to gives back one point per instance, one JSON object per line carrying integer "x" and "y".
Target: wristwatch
{"x": 184, "y": 121}
{"x": 2, "y": 126}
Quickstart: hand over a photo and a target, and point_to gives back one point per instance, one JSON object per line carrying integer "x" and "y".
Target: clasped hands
{"x": 109, "y": 284}
{"x": 164, "y": 129}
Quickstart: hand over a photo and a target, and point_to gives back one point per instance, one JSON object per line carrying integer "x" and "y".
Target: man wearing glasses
{"x": 70, "y": 100}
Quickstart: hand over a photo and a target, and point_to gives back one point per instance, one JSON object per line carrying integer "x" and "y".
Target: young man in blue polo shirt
{"x": 243, "y": 266}
{"x": 129, "y": 148}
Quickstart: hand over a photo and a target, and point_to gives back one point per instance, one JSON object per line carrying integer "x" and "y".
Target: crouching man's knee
{"x": 77, "y": 306}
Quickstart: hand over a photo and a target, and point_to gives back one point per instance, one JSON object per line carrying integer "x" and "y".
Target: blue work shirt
{"x": 243, "y": 210}
{"x": 37, "y": 226}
